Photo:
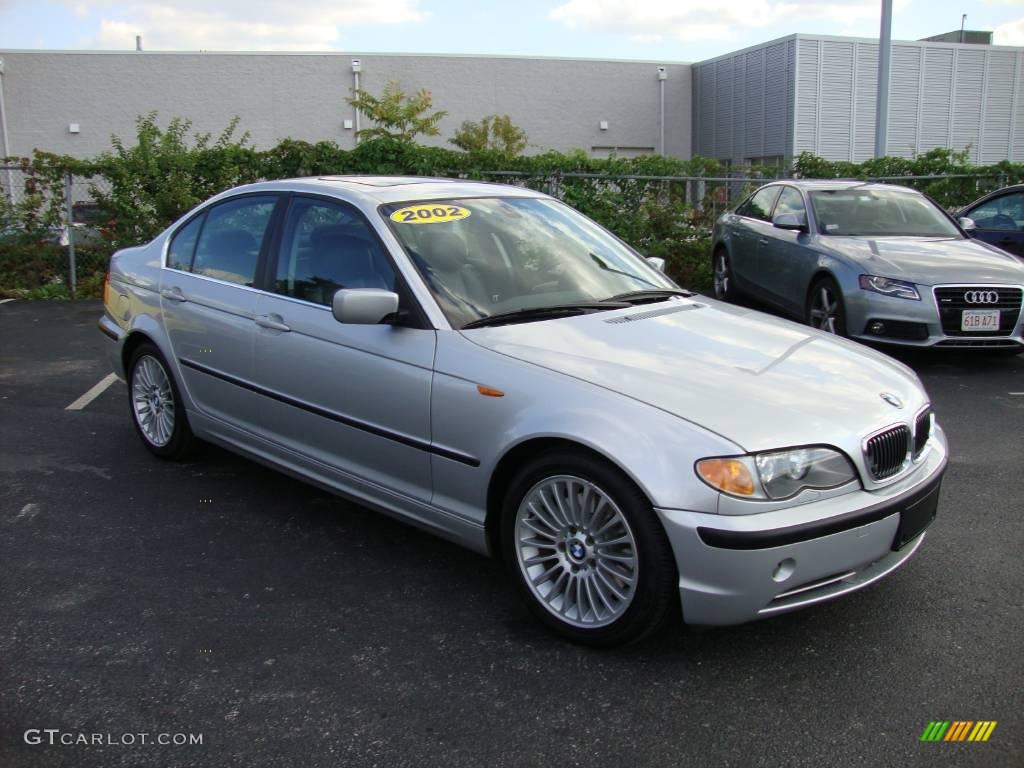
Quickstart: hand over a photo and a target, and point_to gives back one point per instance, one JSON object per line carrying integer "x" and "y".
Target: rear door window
{"x": 231, "y": 239}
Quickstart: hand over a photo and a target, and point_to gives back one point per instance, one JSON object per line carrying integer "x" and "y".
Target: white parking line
{"x": 1017, "y": 393}
{"x": 4, "y": 301}
{"x": 93, "y": 393}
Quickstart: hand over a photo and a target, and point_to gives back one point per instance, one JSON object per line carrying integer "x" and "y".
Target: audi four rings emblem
{"x": 981, "y": 297}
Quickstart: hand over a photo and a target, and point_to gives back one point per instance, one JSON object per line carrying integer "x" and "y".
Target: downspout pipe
{"x": 357, "y": 67}
{"x": 4, "y": 137}
{"x": 662, "y": 76}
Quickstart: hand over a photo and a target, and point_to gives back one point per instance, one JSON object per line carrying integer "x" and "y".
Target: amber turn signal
{"x": 489, "y": 391}
{"x": 729, "y": 475}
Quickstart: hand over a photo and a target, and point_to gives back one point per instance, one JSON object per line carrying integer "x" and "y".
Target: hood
{"x": 760, "y": 382}
{"x": 929, "y": 260}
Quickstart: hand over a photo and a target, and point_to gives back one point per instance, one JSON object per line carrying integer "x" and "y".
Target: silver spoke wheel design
{"x": 721, "y": 276}
{"x": 576, "y": 551}
{"x": 153, "y": 401}
{"x": 824, "y": 309}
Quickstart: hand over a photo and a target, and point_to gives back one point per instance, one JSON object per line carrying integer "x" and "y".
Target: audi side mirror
{"x": 967, "y": 224}
{"x": 363, "y": 306}
{"x": 794, "y": 221}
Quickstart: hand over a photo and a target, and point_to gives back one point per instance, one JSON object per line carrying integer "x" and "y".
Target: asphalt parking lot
{"x": 291, "y": 628}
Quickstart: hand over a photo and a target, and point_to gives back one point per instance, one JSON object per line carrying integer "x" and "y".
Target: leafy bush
{"x": 143, "y": 187}
{"x": 495, "y": 133}
{"x": 396, "y": 114}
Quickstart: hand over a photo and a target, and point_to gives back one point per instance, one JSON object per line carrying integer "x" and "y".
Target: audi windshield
{"x": 880, "y": 213}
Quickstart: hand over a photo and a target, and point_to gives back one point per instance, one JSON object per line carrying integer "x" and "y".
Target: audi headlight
{"x": 901, "y": 289}
{"x": 777, "y": 474}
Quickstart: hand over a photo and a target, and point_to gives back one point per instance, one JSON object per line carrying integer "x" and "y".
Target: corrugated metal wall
{"x": 941, "y": 95}
{"x": 817, "y": 94}
{"x": 743, "y": 103}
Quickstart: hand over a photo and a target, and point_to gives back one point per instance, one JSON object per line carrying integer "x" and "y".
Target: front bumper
{"x": 736, "y": 568}
{"x": 917, "y": 323}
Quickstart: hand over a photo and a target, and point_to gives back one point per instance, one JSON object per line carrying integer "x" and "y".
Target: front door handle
{"x": 174, "y": 294}
{"x": 763, "y": 241}
{"x": 272, "y": 322}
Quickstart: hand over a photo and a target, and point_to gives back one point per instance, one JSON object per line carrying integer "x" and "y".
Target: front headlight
{"x": 779, "y": 474}
{"x": 901, "y": 289}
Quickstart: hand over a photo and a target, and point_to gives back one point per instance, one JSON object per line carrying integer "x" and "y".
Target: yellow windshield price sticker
{"x": 429, "y": 213}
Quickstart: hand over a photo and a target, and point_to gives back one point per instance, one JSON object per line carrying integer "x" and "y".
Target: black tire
{"x": 830, "y": 318}
{"x": 723, "y": 281}
{"x": 181, "y": 441}
{"x": 655, "y": 597}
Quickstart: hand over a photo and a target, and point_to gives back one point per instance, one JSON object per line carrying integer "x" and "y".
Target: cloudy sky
{"x": 670, "y": 30}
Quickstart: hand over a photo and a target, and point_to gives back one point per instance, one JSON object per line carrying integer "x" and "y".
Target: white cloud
{"x": 1010, "y": 33}
{"x": 708, "y": 19}
{"x": 234, "y": 25}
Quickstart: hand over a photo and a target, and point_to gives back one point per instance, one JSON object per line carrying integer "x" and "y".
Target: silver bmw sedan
{"x": 875, "y": 262}
{"x": 487, "y": 363}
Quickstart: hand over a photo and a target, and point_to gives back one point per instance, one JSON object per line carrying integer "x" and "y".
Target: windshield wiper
{"x": 649, "y": 296}
{"x": 530, "y": 314}
{"x": 604, "y": 265}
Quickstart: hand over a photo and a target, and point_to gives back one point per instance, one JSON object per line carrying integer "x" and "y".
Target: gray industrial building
{"x": 763, "y": 104}
{"x": 71, "y": 102}
{"x": 813, "y": 93}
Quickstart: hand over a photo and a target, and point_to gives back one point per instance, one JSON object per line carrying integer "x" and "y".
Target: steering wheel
{"x": 1002, "y": 221}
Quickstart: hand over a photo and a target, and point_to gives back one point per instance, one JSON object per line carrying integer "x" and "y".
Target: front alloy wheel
{"x": 825, "y": 308}
{"x": 577, "y": 552}
{"x": 586, "y": 550}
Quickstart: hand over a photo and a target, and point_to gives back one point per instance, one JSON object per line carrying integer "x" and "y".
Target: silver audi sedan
{"x": 487, "y": 363}
{"x": 875, "y": 262}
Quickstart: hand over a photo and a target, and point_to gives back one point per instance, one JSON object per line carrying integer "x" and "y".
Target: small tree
{"x": 396, "y": 114}
{"x": 494, "y": 132}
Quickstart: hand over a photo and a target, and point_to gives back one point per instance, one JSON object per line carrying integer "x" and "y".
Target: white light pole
{"x": 882, "y": 103}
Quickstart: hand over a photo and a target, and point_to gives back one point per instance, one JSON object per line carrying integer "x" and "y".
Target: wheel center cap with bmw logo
{"x": 576, "y": 550}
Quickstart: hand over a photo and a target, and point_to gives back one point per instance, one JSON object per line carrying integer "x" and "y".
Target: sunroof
{"x": 379, "y": 181}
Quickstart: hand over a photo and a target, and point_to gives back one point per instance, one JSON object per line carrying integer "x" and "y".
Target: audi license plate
{"x": 980, "y": 320}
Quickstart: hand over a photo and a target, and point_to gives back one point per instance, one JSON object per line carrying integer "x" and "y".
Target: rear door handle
{"x": 272, "y": 322}
{"x": 174, "y": 294}
{"x": 763, "y": 241}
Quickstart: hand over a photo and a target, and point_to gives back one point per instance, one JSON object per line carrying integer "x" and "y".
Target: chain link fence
{"x": 54, "y": 236}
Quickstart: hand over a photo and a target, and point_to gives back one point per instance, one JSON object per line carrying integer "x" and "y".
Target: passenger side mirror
{"x": 795, "y": 221}
{"x": 363, "y": 306}
{"x": 967, "y": 224}
{"x": 657, "y": 262}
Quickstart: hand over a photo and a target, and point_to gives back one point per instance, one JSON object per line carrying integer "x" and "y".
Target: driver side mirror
{"x": 967, "y": 224}
{"x": 794, "y": 221}
{"x": 363, "y": 306}
{"x": 657, "y": 262}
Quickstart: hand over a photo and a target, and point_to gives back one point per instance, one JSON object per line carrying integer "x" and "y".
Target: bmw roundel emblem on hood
{"x": 891, "y": 399}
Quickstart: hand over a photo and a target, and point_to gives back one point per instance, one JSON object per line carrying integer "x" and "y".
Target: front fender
{"x": 655, "y": 449}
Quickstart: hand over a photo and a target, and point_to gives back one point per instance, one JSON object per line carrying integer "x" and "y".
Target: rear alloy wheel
{"x": 587, "y": 551}
{"x": 157, "y": 411}
{"x": 724, "y": 289}
{"x": 825, "y": 309}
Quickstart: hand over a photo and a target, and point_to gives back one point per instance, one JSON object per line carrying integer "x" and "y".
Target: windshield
{"x": 487, "y": 256}
{"x": 879, "y": 213}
